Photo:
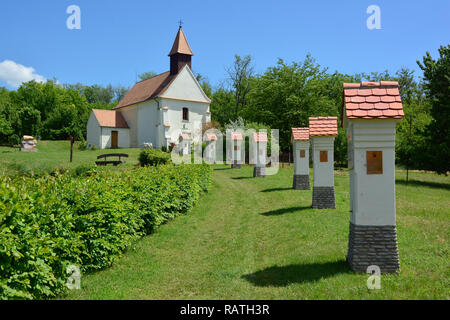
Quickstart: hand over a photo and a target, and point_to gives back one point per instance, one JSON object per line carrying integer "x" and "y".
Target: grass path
{"x": 259, "y": 239}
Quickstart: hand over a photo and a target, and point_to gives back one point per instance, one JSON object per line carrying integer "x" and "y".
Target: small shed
{"x": 108, "y": 129}
{"x": 300, "y": 147}
{"x": 323, "y": 131}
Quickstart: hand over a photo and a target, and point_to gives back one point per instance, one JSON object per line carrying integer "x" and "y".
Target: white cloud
{"x": 14, "y": 74}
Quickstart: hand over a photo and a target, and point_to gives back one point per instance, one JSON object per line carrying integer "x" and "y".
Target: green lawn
{"x": 259, "y": 239}
{"x": 55, "y": 154}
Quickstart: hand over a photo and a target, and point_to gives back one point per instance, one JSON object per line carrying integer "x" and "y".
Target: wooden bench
{"x": 113, "y": 162}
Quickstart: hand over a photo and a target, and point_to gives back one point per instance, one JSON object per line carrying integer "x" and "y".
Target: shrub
{"x": 51, "y": 222}
{"x": 83, "y": 145}
{"x": 13, "y": 140}
{"x": 84, "y": 170}
{"x": 153, "y": 157}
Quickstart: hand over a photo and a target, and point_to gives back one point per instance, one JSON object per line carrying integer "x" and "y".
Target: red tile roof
{"x": 236, "y": 136}
{"x": 323, "y": 127}
{"x": 147, "y": 89}
{"x": 372, "y": 100}
{"x": 300, "y": 134}
{"x": 211, "y": 137}
{"x": 110, "y": 118}
{"x": 185, "y": 136}
{"x": 260, "y": 137}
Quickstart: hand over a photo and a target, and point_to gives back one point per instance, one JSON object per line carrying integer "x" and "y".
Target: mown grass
{"x": 259, "y": 239}
{"x": 55, "y": 154}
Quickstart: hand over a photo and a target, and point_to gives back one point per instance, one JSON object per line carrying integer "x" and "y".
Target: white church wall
{"x": 130, "y": 114}
{"x": 174, "y": 116}
{"x": 93, "y": 131}
{"x": 123, "y": 136}
{"x": 185, "y": 87}
{"x": 147, "y": 121}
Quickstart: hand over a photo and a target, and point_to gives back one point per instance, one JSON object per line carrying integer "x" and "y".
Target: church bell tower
{"x": 181, "y": 53}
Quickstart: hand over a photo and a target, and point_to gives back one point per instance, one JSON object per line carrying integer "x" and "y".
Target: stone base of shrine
{"x": 236, "y": 165}
{"x": 259, "y": 172}
{"x": 373, "y": 246}
{"x": 323, "y": 198}
{"x": 301, "y": 182}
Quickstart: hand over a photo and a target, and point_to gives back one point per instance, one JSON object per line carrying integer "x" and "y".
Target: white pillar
{"x": 237, "y": 149}
{"x": 259, "y": 153}
{"x": 300, "y": 151}
{"x": 323, "y": 131}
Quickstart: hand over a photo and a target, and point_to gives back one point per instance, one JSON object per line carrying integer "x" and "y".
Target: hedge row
{"x": 51, "y": 222}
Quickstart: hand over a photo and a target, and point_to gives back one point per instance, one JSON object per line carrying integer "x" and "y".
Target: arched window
{"x": 185, "y": 114}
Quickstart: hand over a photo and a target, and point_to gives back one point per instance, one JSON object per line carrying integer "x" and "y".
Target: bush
{"x": 13, "y": 140}
{"x": 51, "y": 222}
{"x": 84, "y": 170}
{"x": 83, "y": 145}
{"x": 153, "y": 157}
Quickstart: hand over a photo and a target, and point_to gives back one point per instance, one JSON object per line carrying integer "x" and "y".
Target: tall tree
{"x": 239, "y": 75}
{"x": 437, "y": 86}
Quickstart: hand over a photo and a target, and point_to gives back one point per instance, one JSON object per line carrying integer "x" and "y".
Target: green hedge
{"x": 51, "y": 222}
{"x": 153, "y": 157}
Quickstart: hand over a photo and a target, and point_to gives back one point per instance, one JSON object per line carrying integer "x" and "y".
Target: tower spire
{"x": 181, "y": 52}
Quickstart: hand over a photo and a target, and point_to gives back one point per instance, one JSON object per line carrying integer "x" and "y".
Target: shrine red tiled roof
{"x": 211, "y": 137}
{"x": 185, "y": 136}
{"x": 372, "y": 100}
{"x": 236, "y": 136}
{"x": 260, "y": 136}
{"x": 300, "y": 134}
{"x": 323, "y": 127}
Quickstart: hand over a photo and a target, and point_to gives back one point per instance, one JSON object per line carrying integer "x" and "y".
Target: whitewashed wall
{"x": 323, "y": 171}
{"x": 301, "y": 165}
{"x": 148, "y": 122}
{"x": 93, "y": 131}
{"x": 372, "y": 195}
{"x": 130, "y": 114}
{"x": 123, "y": 137}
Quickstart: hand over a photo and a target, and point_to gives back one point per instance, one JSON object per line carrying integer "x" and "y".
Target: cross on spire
{"x": 180, "y": 22}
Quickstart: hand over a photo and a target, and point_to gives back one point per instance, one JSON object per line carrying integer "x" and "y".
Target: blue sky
{"x": 119, "y": 39}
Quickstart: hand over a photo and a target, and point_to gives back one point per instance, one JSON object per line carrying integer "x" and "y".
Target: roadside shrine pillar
{"x": 323, "y": 131}
{"x": 370, "y": 113}
{"x": 300, "y": 147}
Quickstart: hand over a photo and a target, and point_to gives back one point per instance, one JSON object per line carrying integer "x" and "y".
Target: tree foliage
{"x": 437, "y": 90}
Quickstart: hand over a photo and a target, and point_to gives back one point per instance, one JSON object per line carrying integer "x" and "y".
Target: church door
{"x": 114, "y": 139}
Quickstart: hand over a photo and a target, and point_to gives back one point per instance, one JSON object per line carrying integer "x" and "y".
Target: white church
{"x": 161, "y": 110}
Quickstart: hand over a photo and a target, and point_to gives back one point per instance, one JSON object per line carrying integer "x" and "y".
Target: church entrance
{"x": 114, "y": 139}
